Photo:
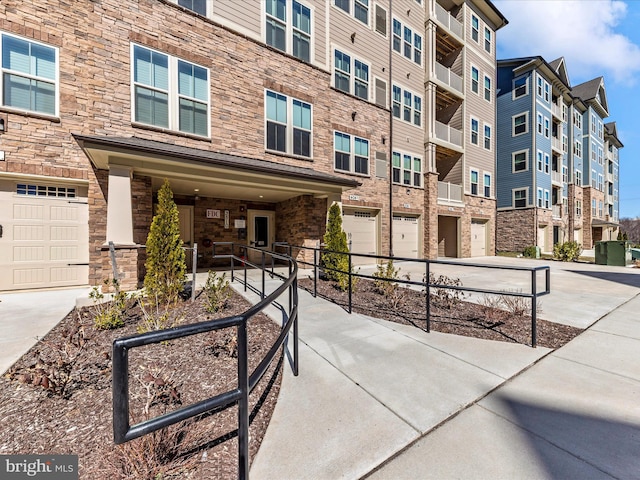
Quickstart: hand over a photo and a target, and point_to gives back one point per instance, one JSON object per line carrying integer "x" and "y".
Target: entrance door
{"x": 542, "y": 238}
{"x": 185, "y": 213}
{"x": 261, "y": 232}
{"x": 478, "y": 238}
{"x": 405, "y": 236}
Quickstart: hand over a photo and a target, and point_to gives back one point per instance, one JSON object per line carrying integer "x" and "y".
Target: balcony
{"x": 449, "y": 192}
{"x": 557, "y": 211}
{"x": 556, "y": 178}
{"x": 448, "y": 21}
{"x": 446, "y": 76}
{"x": 610, "y": 177}
{"x": 557, "y": 144}
{"x": 556, "y": 110}
{"x": 448, "y": 134}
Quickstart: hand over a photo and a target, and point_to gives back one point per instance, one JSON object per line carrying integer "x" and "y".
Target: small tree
{"x": 336, "y": 241}
{"x": 166, "y": 268}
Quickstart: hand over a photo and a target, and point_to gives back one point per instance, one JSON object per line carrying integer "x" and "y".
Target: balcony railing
{"x": 446, "y": 76}
{"x": 446, "y": 19}
{"x": 556, "y": 110}
{"x": 449, "y": 192}
{"x": 609, "y": 177}
{"x": 557, "y": 211}
{"x": 448, "y": 134}
{"x": 556, "y": 177}
{"x": 557, "y": 144}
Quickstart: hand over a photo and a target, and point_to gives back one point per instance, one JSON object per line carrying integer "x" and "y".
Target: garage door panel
{"x": 28, "y": 232}
{"x": 28, "y": 212}
{"x": 406, "y": 239}
{"x": 63, "y": 233}
{"x": 28, "y": 253}
{"x": 28, "y": 277}
{"x": 64, "y": 213}
{"x": 361, "y": 227}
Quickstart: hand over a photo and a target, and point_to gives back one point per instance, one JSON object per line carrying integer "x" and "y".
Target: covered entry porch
{"x": 220, "y": 197}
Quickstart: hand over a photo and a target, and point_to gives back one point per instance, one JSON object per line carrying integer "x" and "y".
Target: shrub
{"x": 216, "y": 291}
{"x": 384, "y": 284}
{"x": 567, "y": 251}
{"x": 515, "y": 305}
{"x": 445, "y": 297}
{"x": 156, "y": 316}
{"x": 165, "y": 265}
{"x": 335, "y": 240}
{"x": 530, "y": 252}
{"x": 109, "y": 315}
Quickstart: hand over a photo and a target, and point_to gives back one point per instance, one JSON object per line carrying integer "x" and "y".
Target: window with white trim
{"x": 169, "y": 92}
{"x": 520, "y": 161}
{"x": 407, "y": 169}
{"x": 546, "y": 163}
{"x": 475, "y": 28}
{"x": 288, "y": 124}
{"x": 288, "y": 28}
{"x": 409, "y": 103}
{"x": 474, "y": 130}
{"x": 593, "y": 151}
{"x": 600, "y": 183}
{"x": 487, "y": 185}
{"x": 565, "y": 143}
{"x": 381, "y": 20}
{"x": 578, "y": 208}
{"x": 487, "y": 39}
{"x": 475, "y": 80}
{"x": 539, "y": 122}
{"x": 577, "y": 148}
{"x": 520, "y": 87}
{"x": 540, "y": 198}
{"x": 600, "y": 209}
{"x": 520, "y": 124}
{"x": 547, "y": 203}
{"x": 540, "y": 160}
{"x": 487, "y": 137}
{"x": 351, "y": 153}
{"x": 565, "y": 174}
{"x": 593, "y": 123}
{"x": 600, "y": 155}
{"x": 198, "y": 6}
{"x": 594, "y": 181}
{"x": 577, "y": 119}
{"x": 406, "y": 42}
{"x": 578, "y": 178}
{"x": 474, "y": 182}
{"x": 29, "y": 79}
{"x": 32, "y": 190}
{"x": 359, "y": 9}
{"x": 546, "y": 127}
{"x": 593, "y": 207}
{"x": 520, "y": 198}
{"x": 351, "y": 75}
{"x": 487, "y": 88}
{"x": 543, "y": 88}
{"x": 600, "y": 130}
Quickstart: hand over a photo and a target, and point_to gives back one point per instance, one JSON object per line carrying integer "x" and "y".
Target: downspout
{"x": 390, "y": 129}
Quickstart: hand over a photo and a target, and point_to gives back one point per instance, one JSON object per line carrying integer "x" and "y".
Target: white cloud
{"x": 581, "y": 31}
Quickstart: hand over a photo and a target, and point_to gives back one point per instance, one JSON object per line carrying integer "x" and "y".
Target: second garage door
{"x": 478, "y": 238}
{"x": 361, "y": 227}
{"x": 406, "y": 241}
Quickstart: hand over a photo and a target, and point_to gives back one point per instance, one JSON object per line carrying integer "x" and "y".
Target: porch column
{"x": 119, "y": 206}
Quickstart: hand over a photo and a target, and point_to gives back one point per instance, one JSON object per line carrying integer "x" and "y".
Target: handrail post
{"x": 263, "y": 281}
{"x": 243, "y": 402}
{"x": 349, "y": 277}
{"x": 246, "y": 258}
{"x": 534, "y": 305}
{"x": 114, "y": 264}
{"x": 428, "y": 291}
{"x": 194, "y": 264}
{"x": 316, "y": 261}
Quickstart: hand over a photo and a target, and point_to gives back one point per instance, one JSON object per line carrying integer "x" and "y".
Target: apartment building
{"x": 260, "y": 117}
{"x": 552, "y": 175}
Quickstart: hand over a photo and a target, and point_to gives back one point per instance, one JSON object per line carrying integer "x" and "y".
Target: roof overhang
{"x": 598, "y": 222}
{"x": 193, "y": 171}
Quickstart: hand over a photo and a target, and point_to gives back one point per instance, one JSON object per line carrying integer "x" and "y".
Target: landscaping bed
{"x": 57, "y": 398}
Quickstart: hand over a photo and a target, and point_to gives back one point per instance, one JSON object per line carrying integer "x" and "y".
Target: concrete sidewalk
{"x": 388, "y": 401}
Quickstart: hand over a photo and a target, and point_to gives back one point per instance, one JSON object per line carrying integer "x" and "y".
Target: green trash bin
{"x": 615, "y": 253}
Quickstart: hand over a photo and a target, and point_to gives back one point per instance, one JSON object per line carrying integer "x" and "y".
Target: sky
{"x": 596, "y": 38}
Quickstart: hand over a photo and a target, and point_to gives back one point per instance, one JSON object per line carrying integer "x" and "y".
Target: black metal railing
{"x": 123, "y": 431}
{"x": 427, "y": 284}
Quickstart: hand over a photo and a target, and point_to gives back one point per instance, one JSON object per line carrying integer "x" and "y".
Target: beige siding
{"x": 240, "y": 16}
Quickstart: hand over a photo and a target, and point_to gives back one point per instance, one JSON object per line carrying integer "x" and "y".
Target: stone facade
{"x": 516, "y": 229}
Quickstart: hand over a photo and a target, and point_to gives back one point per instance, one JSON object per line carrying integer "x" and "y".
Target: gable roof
{"x": 594, "y": 94}
{"x": 611, "y": 130}
{"x": 560, "y": 67}
{"x": 556, "y": 75}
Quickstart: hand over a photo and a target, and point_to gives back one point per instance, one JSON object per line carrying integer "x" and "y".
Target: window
{"x": 29, "y": 75}
{"x": 474, "y": 182}
{"x": 487, "y": 89}
{"x": 546, "y": 91}
{"x": 540, "y": 198}
{"x": 169, "y": 92}
{"x": 356, "y": 84}
{"x": 407, "y": 42}
{"x": 351, "y": 153}
{"x": 487, "y": 185}
{"x": 600, "y": 183}
{"x": 577, "y": 119}
{"x": 577, "y": 149}
{"x": 381, "y": 93}
{"x": 594, "y": 183}
{"x": 593, "y": 207}
{"x": 45, "y": 191}
{"x": 600, "y": 209}
{"x": 593, "y": 151}
{"x": 520, "y": 161}
{"x": 547, "y": 204}
{"x": 520, "y": 124}
{"x": 298, "y": 29}
{"x": 520, "y": 87}
{"x": 543, "y": 88}
{"x": 411, "y": 106}
{"x": 487, "y": 137}
{"x": 475, "y": 75}
{"x": 539, "y": 85}
{"x": 540, "y": 161}
{"x": 288, "y": 124}
{"x": 520, "y": 198}
{"x": 600, "y": 155}
{"x": 487, "y": 39}
{"x": 593, "y": 123}
{"x": 381, "y": 20}
{"x": 474, "y": 131}
{"x": 578, "y": 178}
{"x": 565, "y": 143}
{"x": 600, "y": 130}
{"x": 539, "y": 122}
{"x": 360, "y": 9}
{"x": 475, "y": 27}
{"x": 546, "y": 127}
{"x": 198, "y": 6}
{"x": 546, "y": 163}
{"x": 565, "y": 174}
{"x": 578, "y": 208}
{"x": 407, "y": 169}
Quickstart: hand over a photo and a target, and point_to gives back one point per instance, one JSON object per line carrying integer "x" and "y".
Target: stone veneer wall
{"x": 430, "y": 222}
{"x": 301, "y": 221}
{"x": 516, "y": 229}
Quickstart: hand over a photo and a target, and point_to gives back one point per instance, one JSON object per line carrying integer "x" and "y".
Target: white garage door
{"x": 405, "y": 236}
{"x": 45, "y": 235}
{"x": 478, "y": 238}
{"x": 542, "y": 238}
{"x": 361, "y": 227}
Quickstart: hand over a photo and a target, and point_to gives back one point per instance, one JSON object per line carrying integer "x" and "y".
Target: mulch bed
{"x": 164, "y": 377}
{"x": 448, "y": 315}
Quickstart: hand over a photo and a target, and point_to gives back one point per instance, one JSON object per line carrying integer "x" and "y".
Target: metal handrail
{"x": 123, "y": 431}
{"x": 427, "y": 285}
